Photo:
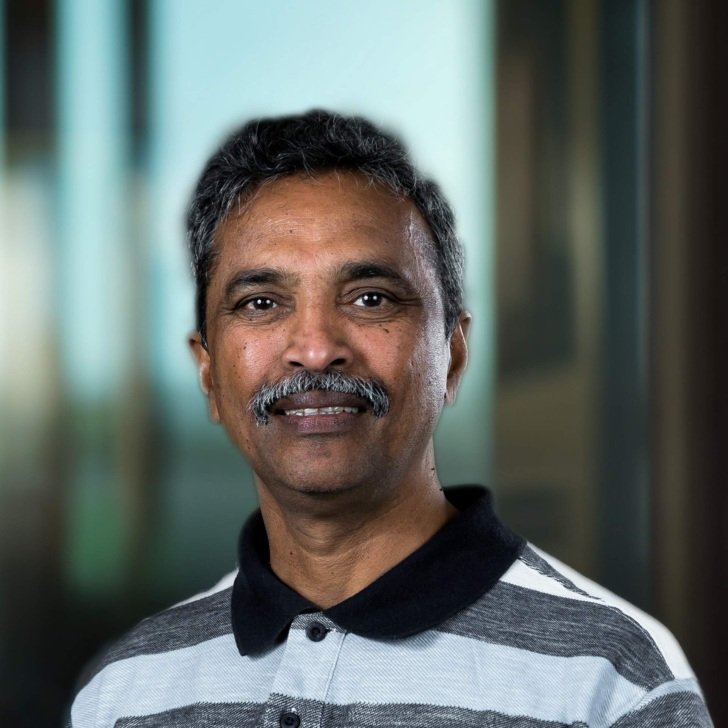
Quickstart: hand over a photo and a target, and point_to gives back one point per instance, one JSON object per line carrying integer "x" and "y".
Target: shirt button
{"x": 316, "y": 631}
{"x": 289, "y": 719}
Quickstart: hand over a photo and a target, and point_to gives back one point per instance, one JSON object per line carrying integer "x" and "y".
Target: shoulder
{"x": 550, "y": 627}
{"x": 546, "y": 607}
{"x": 152, "y": 647}
{"x": 598, "y": 618}
{"x": 195, "y": 620}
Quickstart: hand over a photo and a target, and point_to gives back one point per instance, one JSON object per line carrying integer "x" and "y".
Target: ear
{"x": 458, "y": 355}
{"x": 207, "y": 385}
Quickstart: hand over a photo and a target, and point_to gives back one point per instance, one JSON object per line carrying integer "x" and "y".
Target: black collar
{"x": 457, "y": 565}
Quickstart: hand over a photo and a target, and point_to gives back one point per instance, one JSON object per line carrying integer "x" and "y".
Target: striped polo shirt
{"x": 475, "y": 628}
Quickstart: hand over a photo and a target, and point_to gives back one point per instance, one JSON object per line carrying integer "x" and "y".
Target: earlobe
{"x": 207, "y": 385}
{"x": 458, "y": 355}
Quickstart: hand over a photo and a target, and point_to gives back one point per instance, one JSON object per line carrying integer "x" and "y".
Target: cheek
{"x": 241, "y": 365}
{"x": 421, "y": 371}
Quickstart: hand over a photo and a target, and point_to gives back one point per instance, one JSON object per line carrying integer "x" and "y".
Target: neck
{"x": 329, "y": 547}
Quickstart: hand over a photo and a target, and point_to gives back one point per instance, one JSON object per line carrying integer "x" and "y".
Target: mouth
{"x": 326, "y": 396}
{"x": 318, "y": 402}
{"x": 315, "y": 411}
{"x": 319, "y": 413}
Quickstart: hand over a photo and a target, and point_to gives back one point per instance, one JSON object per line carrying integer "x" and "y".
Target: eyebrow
{"x": 355, "y": 270}
{"x": 358, "y": 270}
{"x": 256, "y": 277}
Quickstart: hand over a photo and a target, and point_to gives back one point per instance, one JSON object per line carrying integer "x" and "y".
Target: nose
{"x": 317, "y": 340}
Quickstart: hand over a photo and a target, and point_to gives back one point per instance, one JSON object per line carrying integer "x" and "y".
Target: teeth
{"x": 308, "y": 411}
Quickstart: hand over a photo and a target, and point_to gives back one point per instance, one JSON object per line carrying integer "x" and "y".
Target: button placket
{"x": 303, "y": 676}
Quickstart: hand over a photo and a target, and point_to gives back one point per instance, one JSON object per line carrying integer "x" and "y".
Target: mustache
{"x": 374, "y": 392}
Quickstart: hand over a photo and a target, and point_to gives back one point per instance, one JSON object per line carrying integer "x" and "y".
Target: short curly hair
{"x": 315, "y": 143}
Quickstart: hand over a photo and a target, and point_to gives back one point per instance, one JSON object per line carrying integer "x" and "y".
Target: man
{"x": 331, "y": 332}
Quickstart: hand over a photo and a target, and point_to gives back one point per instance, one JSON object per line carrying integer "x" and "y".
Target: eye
{"x": 257, "y": 307}
{"x": 370, "y": 299}
{"x": 259, "y": 303}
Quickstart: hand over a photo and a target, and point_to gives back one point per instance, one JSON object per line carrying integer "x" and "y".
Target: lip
{"x": 331, "y": 424}
{"x": 318, "y": 424}
{"x": 318, "y": 398}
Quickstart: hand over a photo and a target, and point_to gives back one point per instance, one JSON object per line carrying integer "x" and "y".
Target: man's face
{"x": 327, "y": 274}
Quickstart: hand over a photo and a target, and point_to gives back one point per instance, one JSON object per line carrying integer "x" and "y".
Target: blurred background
{"x": 581, "y": 144}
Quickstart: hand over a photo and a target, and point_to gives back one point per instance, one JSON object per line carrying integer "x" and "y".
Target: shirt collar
{"x": 460, "y": 563}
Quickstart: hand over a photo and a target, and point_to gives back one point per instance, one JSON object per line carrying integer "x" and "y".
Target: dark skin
{"x": 327, "y": 273}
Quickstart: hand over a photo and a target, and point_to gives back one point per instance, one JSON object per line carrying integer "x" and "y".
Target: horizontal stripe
{"x": 212, "y": 671}
{"x": 335, "y": 716}
{"x": 563, "y": 627}
{"x": 223, "y": 715}
{"x": 677, "y": 710}
{"x": 426, "y": 716}
{"x": 446, "y": 670}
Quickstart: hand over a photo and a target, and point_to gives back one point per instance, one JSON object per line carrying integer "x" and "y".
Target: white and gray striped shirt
{"x": 476, "y": 628}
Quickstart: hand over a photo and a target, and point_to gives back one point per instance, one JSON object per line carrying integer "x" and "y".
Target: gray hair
{"x": 315, "y": 143}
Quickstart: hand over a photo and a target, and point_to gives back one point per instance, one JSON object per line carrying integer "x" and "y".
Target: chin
{"x": 323, "y": 489}
{"x": 329, "y": 485}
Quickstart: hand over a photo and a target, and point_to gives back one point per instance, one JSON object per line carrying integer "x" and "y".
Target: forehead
{"x": 330, "y": 215}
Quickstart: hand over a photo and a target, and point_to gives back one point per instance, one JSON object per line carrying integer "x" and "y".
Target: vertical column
{"x": 92, "y": 289}
{"x": 4, "y": 423}
{"x": 2, "y": 103}
{"x": 464, "y": 439}
{"x": 3, "y": 221}
{"x": 623, "y": 492}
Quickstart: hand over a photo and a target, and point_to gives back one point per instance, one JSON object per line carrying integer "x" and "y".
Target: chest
{"x": 322, "y": 677}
